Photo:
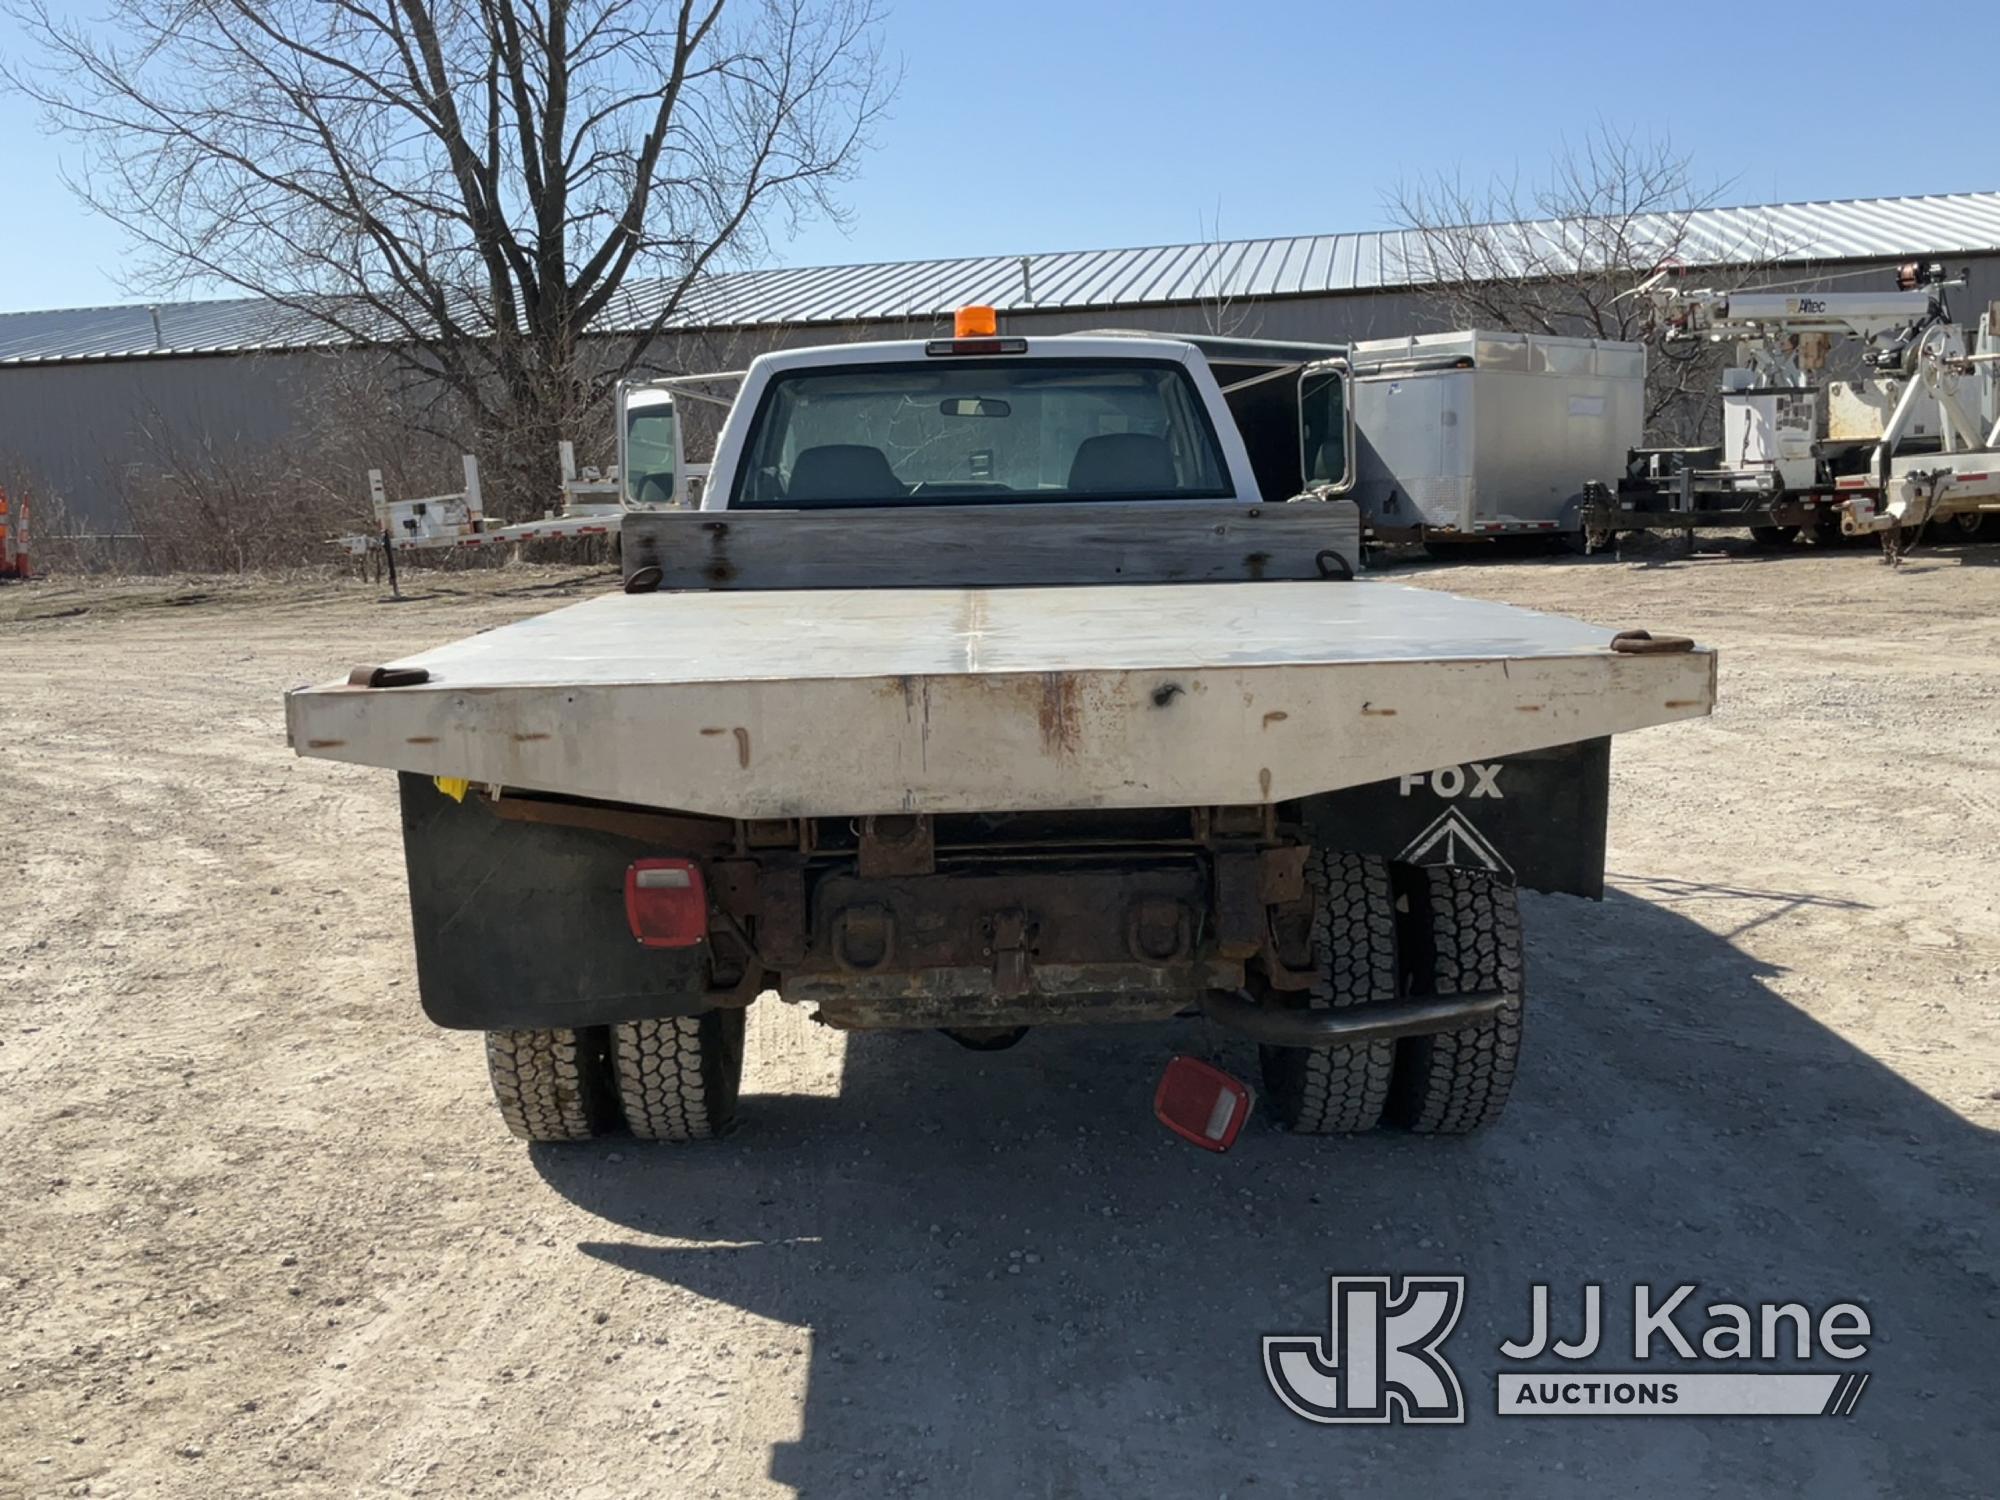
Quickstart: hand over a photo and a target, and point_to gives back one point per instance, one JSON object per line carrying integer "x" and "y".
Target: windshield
{"x": 960, "y": 431}
{"x": 649, "y": 455}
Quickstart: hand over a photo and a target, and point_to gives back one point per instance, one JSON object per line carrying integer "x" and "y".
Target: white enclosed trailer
{"x": 988, "y": 690}
{"x": 1472, "y": 434}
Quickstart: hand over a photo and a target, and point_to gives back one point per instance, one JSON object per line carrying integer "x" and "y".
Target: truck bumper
{"x": 1379, "y": 1021}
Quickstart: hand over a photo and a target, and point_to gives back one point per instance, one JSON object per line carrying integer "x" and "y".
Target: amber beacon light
{"x": 975, "y": 323}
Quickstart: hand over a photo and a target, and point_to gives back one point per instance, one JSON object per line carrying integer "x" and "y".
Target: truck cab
{"x": 1115, "y": 414}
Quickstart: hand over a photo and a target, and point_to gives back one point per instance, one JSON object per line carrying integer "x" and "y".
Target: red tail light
{"x": 1201, "y": 1103}
{"x": 666, "y": 903}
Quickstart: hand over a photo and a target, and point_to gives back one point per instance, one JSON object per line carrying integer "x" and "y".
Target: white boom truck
{"x": 988, "y": 690}
{"x": 1914, "y": 440}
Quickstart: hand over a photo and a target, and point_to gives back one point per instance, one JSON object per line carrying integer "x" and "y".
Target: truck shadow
{"x": 1955, "y": 555}
{"x": 1659, "y": 550}
{"x": 1017, "y": 1284}
{"x": 1746, "y": 907}
{"x": 1931, "y": 553}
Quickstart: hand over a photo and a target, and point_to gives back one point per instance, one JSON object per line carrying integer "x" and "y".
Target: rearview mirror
{"x": 974, "y": 406}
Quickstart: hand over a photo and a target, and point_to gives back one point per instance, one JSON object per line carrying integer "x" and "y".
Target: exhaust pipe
{"x": 1376, "y": 1021}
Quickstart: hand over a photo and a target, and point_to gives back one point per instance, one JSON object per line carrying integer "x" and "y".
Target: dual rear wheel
{"x": 1380, "y": 931}
{"x": 675, "y": 1079}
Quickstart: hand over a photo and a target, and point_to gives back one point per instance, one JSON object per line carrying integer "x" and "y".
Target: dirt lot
{"x": 264, "y": 1233}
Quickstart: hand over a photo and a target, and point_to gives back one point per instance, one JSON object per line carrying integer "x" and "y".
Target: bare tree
{"x": 1220, "y": 314}
{"x": 1565, "y": 255}
{"x": 479, "y": 186}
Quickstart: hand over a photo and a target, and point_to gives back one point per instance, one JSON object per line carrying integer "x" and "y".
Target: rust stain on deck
{"x": 1371, "y": 711}
{"x": 324, "y": 744}
{"x": 1264, "y": 782}
{"x": 1275, "y": 716}
{"x": 519, "y": 738}
{"x": 421, "y": 739}
{"x": 1684, "y": 703}
{"x": 742, "y": 740}
{"x": 1060, "y": 714}
{"x": 1527, "y": 708}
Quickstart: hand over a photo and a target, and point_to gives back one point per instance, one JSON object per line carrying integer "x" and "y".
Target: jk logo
{"x": 1379, "y": 1361}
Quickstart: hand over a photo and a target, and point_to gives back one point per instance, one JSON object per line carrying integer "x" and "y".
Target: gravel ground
{"x": 265, "y": 1235}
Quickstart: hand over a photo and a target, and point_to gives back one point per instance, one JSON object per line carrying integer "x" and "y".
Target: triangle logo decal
{"x": 1450, "y": 839}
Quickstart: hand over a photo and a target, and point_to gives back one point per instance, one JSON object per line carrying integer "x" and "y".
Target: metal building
{"x": 86, "y": 393}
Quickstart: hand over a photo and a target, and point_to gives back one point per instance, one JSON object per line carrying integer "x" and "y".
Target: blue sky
{"x": 1033, "y": 125}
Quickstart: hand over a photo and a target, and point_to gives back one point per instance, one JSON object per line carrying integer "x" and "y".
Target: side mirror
{"x": 1326, "y": 427}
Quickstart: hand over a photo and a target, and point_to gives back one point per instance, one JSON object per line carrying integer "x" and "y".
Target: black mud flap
{"x": 1536, "y": 819}
{"x": 523, "y": 924}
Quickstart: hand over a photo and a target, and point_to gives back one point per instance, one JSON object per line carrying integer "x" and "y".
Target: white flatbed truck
{"x": 988, "y": 691}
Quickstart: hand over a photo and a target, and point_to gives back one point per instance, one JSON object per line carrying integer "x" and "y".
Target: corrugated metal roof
{"x": 1785, "y": 233}
{"x": 212, "y": 327}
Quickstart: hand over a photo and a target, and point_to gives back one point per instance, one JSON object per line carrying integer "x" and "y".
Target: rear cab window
{"x": 1011, "y": 430}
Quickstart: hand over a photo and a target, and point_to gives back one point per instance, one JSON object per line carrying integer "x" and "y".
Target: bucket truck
{"x": 1911, "y": 441}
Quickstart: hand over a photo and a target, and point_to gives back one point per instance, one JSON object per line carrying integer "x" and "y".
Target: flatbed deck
{"x": 964, "y": 700}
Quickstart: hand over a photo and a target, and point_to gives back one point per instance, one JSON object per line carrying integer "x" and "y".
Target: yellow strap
{"x": 454, "y": 787}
